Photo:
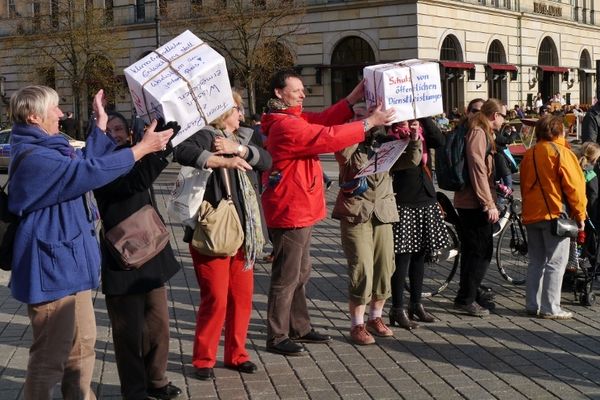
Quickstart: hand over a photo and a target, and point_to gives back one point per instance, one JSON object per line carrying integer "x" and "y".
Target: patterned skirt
{"x": 420, "y": 228}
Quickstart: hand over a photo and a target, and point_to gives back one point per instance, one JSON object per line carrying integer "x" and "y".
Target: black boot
{"x": 398, "y": 317}
{"x": 416, "y": 311}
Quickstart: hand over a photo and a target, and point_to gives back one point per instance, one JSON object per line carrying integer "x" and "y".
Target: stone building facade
{"x": 509, "y": 49}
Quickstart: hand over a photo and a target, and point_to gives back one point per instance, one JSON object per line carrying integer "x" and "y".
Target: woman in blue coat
{"x": 56, "y": 259}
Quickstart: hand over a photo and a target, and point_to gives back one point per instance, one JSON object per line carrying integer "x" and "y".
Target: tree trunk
{"x": 251, "y": 98}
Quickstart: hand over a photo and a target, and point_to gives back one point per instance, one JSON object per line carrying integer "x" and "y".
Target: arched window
{"x": 496, "y": 53}
{"x": 453, "y": 90}
{"x": 549, "y": 81}
{"x": 349, "y": 58}
{"x": 585, "y": 78}
{"x": 451, "y": 49}
{"x": 548, "y": 54}
{"x": 497, "y": 79}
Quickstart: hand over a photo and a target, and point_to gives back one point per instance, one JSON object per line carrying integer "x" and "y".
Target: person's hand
{"x": 152, "y": 141}
{"x": 581, "y": 225}
{"x": 379, "y": 117}
{"x": 98, "y": 107}
{"x": 357, "y": 94}
{"x": 223, "y": 145}
{"x": 493, "y": 215}
{"x": 216, "y": 161}
{"x": 414, "y": 130}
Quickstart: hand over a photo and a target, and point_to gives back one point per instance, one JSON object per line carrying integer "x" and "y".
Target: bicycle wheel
{"x": 511, "y": 252}
{"x": 441, "y": 266}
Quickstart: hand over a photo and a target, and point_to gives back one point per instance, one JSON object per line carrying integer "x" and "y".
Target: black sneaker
{"x": 473, "y": 309}
{"x": 169, "y": 391}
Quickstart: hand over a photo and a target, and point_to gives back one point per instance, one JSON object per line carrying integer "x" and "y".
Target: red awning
{"x": 552, "y": 68}
{"x": 457, "y": 64}
{"x": 502, "y": 67}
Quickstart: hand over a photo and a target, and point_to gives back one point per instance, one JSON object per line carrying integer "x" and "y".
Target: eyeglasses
{"x": 239, "y": 109}
{"x": 502, "y": 115}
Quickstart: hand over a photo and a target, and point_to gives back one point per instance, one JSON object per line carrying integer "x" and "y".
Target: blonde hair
{"x": 589, "y": 154}
{"x": 31, "y": 101}
{"x": 219, "y": 123}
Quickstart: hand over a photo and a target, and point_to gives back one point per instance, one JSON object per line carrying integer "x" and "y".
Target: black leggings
{"x": 413, "y": 264}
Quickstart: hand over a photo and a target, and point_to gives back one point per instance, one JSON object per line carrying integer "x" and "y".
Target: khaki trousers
{"x": 369, "y": 250}
{"x": 64, "y": 335}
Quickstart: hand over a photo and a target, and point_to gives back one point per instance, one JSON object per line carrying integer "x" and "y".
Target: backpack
{"x": 450, "y": 162}
{"x": 8, "y": 223}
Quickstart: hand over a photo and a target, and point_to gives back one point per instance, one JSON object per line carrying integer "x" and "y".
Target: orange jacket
{"x": 561, "y": 178}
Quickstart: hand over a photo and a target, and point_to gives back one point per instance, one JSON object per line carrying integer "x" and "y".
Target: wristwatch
{"x": 240, "y": 150}
{"x": 366, "y": 125}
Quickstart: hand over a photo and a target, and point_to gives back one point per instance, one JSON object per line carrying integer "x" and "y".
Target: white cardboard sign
{"x": 185, "y": 81}
{"x": 384, "y": 158}
{"x": 410, "y": 87}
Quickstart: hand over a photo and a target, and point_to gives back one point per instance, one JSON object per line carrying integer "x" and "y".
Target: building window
{"x": 12, "y": 9}
{"x": 453, "y": 96}
{"x": 349, "y": 58}
{"x": 54, "y": 13}
{"x": 47, "y": 76}
{"x": 37, "y": 18}
{"x": 140, "y": 10}
{"x": 108, "y": 11}
{"x": 497, "y": 80}
{"x": 549, "y": 81}
{"x": 586, "y": 88}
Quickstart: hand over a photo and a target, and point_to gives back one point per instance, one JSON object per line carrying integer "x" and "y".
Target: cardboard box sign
{"x": 411, "y": 87}
{"x": 185, "y": 81}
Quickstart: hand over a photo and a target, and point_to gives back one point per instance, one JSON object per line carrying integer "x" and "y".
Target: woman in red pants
{"x": 226, "y": 283}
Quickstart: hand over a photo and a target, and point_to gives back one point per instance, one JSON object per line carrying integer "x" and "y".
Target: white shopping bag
{"x": 187, "y": 195}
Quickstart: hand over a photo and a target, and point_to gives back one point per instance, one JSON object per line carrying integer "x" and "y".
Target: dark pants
{"x": 287, "y": 314}
{"x": 411, "y": 264}
{"x": 476, "y": 249}
{"x": 140, "y": 324}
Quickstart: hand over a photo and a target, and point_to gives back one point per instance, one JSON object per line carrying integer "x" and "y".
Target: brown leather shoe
{"x": 360, "y": 336}
{"x": 378, "y": 328}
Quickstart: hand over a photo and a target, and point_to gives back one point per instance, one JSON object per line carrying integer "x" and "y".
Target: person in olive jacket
{"x": 366, "y": 209}
{"x": 136, "y": 299}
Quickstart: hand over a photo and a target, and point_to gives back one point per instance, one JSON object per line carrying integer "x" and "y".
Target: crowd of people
{"x": 389, "y": 223}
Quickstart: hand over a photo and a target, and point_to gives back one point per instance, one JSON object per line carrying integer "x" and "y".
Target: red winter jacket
{"x": 294, "y": 140}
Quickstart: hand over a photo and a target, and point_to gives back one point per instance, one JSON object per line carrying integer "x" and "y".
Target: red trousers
{"x": 225, "y": 298}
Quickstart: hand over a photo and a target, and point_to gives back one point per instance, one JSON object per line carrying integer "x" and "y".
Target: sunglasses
{"x": 502, "y": 115}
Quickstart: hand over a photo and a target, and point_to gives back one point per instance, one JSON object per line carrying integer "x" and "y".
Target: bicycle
{"x": 441, "y": 266}
{"x": 511, "y": 249}
{"x": 511, "y": 246}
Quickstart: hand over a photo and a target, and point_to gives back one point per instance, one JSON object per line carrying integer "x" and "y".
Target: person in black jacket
{"x": 226, "y": 283}
{"x": 504, "y": 166}
{"x": 421, "y": 229}
{"x": 136, "y": 299}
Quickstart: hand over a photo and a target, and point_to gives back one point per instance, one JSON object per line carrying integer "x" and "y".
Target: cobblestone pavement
{"x": 504, "y": 356}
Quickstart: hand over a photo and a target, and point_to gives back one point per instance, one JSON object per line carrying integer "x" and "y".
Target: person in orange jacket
{"x": 550, "y": 180}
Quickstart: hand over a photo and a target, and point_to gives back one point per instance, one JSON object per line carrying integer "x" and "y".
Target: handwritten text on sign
{"x": 384, "y": 158}
{"x": 412, "y": 88}
{"x": 185, "y": 81}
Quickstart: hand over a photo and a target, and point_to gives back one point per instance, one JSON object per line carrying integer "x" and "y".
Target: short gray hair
{"x": 31, "y": 100}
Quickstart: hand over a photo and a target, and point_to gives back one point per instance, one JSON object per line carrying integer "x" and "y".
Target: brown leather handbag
{"x": 138, "y": 238}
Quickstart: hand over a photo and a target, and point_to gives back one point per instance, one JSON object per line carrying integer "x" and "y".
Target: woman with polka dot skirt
{"x": 421, "y": 229}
